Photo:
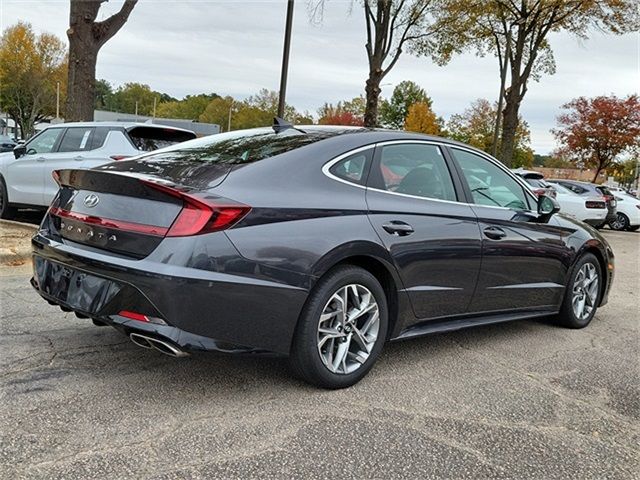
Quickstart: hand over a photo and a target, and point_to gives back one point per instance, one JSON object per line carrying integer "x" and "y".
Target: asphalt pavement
{"x": 520, "y": 400}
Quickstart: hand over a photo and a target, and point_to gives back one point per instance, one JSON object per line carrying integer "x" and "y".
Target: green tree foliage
{"x": 125, "y": 98}
{"x": 31, "y": 66}
{"x": 488, "y": 26}
{"x": 104, "y": 94}
{"x": 475, "y": 127}
{"x": 394, "y": 111}
{"x": 190, "y": 107}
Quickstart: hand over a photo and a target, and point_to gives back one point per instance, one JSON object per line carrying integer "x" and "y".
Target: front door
{"x": 433, "y": 239}
{"x": 25, "y": 175}
{"x": 524, "y": 261}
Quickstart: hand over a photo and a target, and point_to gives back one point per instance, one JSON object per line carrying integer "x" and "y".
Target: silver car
{"x": 25, "y": 173}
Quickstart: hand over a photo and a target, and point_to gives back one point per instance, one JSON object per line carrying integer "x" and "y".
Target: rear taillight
{"x": 119, "y": 157}
{"x": 539, "y": 191}
{"x": 56, "y": 176}
{"x": 592, "y": 204}
{"x": 201, "y": 215}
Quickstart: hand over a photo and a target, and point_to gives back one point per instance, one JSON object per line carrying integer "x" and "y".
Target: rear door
{"x": 26, "y": 175}
{"x": 524, "y": 261}
{"x": 71, "y": 153}
{"x": 433, "y": 238}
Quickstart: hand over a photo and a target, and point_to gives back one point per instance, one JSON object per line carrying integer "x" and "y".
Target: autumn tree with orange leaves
{"x": 421, "y": 119}
{"x": 596, "y": 132}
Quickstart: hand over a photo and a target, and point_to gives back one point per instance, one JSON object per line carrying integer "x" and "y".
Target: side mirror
{"x": 19, "y": 151}
{"x": 547, "y": 206}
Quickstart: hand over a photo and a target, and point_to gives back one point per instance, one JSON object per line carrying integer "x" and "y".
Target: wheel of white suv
{"x": 6, "y": 211}
{"x": 620, "y": 223}
{"x": 341, "y": 330}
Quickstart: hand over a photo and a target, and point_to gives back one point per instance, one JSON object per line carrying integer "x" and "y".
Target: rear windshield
{"x": 245, "y": 146}
{"x": 604, "y": 191}
{"x": 148, "y": 139}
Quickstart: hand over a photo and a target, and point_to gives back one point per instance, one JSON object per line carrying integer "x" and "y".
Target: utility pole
{"x": 229, "y": 121}
{"x": 57, "y": 100}
{"x": 285, "y": 59}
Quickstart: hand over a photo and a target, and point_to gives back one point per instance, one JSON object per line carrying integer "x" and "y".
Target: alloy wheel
{"x": 620, "y": 222}
{"x": 348, "y": 329}
{"x": 585, "y": 291}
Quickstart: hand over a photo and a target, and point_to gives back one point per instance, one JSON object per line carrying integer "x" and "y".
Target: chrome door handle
{"x": 40, "y": 159}
{"x": 78, "y": 158}
{"x": 396, "y": 227}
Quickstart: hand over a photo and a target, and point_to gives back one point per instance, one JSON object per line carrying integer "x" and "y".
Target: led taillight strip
{"x": 110, "y": 223}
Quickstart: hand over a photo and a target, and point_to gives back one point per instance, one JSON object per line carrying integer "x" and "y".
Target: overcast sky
{"x": 235, "y": 47}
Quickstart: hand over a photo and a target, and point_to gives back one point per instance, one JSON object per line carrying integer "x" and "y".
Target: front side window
{"x": 76, "y": 139}
{"x": 44, "y": 142}
{"x": 489, "y": 184}
{"x": 416, "y": 169}
{"x": 352, "y": 168}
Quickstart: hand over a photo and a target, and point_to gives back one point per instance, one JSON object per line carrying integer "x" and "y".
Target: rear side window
{"x": 574, "y": 188}
{"x": 76, "y": 139}
{"x": 353, "y": 168}
{"x": 416, "y": 169}
{"x": 99, "y": 136}
{"x": 604, "y": 191}
{"x": 148, "y": 139}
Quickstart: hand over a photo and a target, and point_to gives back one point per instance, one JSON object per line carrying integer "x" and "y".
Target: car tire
{"x": 600, "y": 226}
{"x": 323, "y": 336}
{"x": 620, "y": 223}
{"x": 582, "y": 294}
{"x": 7, "y": 212}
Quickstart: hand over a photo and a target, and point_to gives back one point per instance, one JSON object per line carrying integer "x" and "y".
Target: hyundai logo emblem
{"x": 91, "y": 200}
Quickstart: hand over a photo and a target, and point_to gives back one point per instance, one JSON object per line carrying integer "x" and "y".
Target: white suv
{"x": 25, "y": 173}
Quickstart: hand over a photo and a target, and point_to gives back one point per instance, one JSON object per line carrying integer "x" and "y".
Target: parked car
{"x": 25, "y": 174}
{"x": 537, "y": 182}
{"x": 591, "y": 210}
{"x": 591, "y": 190}
{"x": 628, "y": 213}
{"x": 6, "y": 144}
{"x": 299, "y": 242}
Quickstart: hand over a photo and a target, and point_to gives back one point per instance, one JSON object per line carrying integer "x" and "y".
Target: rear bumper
{"x": 202, "y": 309}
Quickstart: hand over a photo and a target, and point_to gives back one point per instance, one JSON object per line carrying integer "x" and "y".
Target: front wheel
{"x": 582, "y": 294}
{"x": 6, "y": 211}
{"x": 341, "y": 330}
{"x": 620, "y": 223}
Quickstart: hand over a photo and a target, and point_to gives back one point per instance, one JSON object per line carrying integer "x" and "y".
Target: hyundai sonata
{"x": 318, "y": 243}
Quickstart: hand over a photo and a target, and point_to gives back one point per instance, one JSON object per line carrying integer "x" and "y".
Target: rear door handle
{"x": 396, "y": 227}
{"x": 40, "y": 159}
{"x": 78, "y": 158}
{"x": 494, "y": 233}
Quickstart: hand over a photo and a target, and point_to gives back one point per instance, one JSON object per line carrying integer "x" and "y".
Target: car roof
{"x": 125, "y": 125}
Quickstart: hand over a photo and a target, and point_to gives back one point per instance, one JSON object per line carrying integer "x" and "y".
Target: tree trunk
{"x": 372, "y": 90}
{"x": 81, "y": 88}
{"x": 595, "y": 177}
{"x": 509, "y": 125}
{"x": 86, "y": 37}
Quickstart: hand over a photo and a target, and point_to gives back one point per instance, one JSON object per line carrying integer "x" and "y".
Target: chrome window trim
{"x": 327, "y": 166}
{"x": 332, "y": 162}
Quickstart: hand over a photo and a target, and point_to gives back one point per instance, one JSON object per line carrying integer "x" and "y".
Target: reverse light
{"x": 199, "y": 215}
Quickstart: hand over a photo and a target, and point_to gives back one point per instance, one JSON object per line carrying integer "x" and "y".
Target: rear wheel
{"x": 582, "y": 295}
{"x": 6, "y": 211}
{"x": 341, "y": 330}
{"x": 620, "y": 223}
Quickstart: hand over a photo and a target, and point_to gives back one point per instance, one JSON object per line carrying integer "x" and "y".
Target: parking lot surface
{"x": 525, "y": 400}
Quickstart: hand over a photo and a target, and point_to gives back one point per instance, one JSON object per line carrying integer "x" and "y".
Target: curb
{"x": 20, "y": 233}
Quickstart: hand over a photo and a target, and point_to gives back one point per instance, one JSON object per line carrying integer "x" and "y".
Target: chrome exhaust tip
{"x": 159, "y": 345}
